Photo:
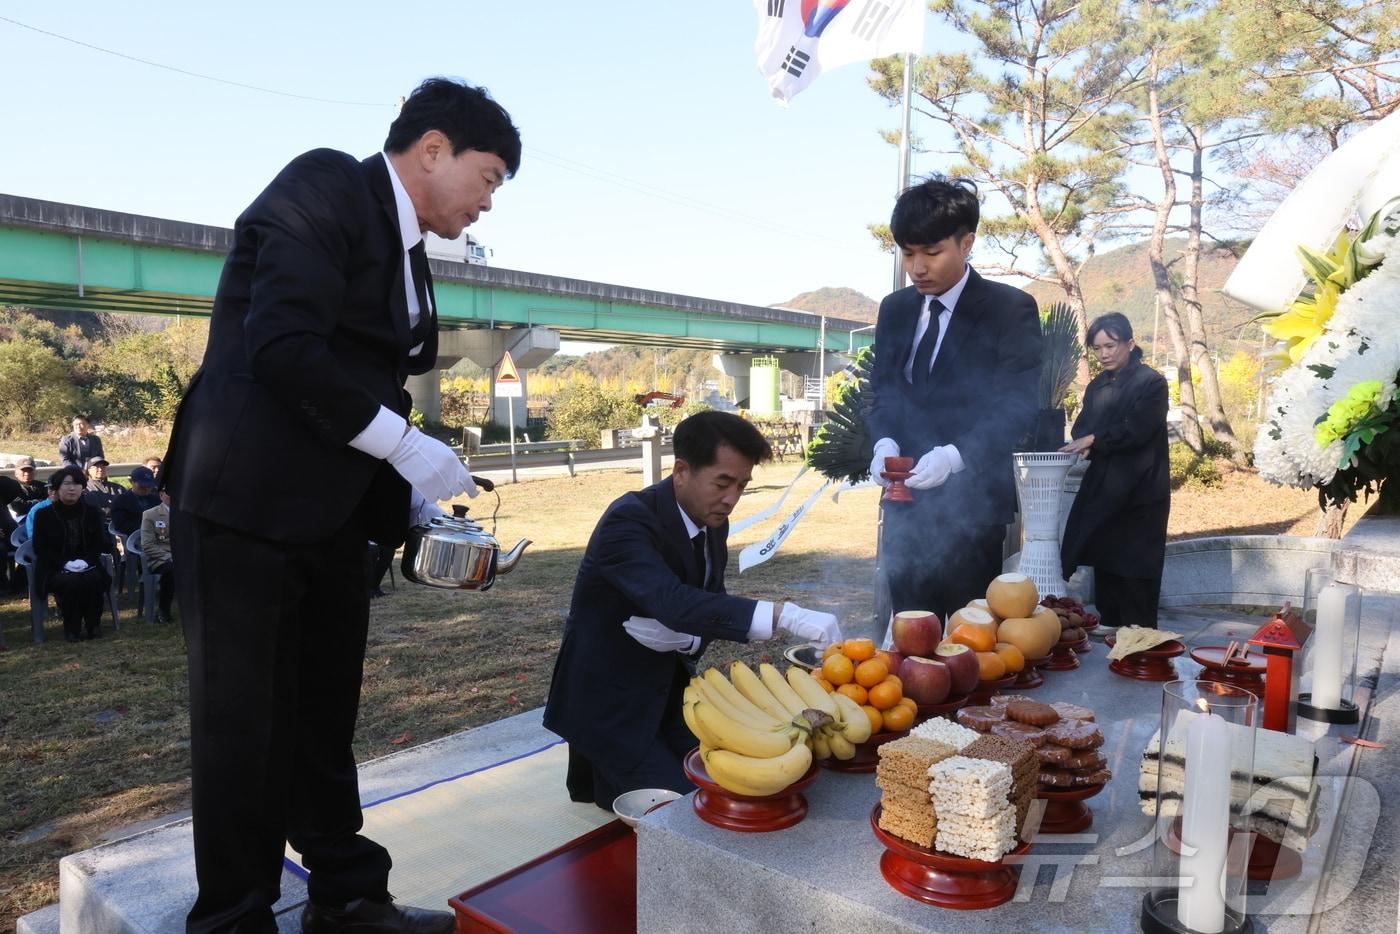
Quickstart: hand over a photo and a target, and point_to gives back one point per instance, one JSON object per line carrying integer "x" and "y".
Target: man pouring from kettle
{"x": 648, "y": 599}
{"x": 324, "y": 308}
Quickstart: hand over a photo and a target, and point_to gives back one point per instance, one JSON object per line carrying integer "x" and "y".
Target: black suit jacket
{"x": 610, "y": 693}
{"x": 309, "y": 337}
{"x": 980, "y": 396}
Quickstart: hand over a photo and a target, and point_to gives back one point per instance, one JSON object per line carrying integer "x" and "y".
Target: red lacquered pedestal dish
{"x": 943, "y": 879}
{"x": 1030, "y": 677}
{"x": 981, "y": 695}
{"x": 1155, "y": 664}
{"x": 1244, "y": 670}
{"x": 867, "y": 755}
{"x": 897, "y": 470}
{"x": 1065, "y": 810}
{"x": 588, "y": 885}
{"x": 717, "y": 805}
{"x": 1062, "y": 657}
{"x": 1268, "y": 861}
{"x": 1084, "y": 646}
{"x": 951, "y": 705}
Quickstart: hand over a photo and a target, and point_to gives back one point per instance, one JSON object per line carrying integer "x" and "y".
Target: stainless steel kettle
{"x": 454, "y": 553}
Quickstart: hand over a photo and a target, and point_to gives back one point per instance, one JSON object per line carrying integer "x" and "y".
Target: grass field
{"x": 95, "y": 736}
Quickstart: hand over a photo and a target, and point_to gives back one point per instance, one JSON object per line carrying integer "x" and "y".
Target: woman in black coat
{"x": 68, "y": 544}
{"x": 1118, "y": 524}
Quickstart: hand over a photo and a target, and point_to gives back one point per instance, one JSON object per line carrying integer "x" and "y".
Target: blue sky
{"x": 654, "y": 156}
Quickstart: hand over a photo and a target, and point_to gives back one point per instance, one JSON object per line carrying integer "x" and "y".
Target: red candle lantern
{"x": 1280, "y": 639}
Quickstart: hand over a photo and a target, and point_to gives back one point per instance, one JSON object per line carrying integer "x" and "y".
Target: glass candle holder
{"x": 1329, "y": 655}
{"x": 1313, "y": 582}
{"x": 1204, "y": 755}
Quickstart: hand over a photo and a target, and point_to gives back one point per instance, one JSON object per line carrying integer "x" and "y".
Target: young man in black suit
{"x": 648, "y": 599}
{"x": 957, "y": 365}
{"x": 324, "y": 309}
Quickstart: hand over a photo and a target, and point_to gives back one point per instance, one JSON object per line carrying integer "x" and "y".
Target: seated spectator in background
{"x": 100, "y": 491}
{"x": 129, "y": 505}
{"x": 76, "y": 449}
{"x": 153, "y": 463}
{"x": 10, "y": 490}
{"x": 35, "y": 510}
{"x": 32, "y": 492}
{"x": 155, "y": 551}
{"x": 68, "y": 545}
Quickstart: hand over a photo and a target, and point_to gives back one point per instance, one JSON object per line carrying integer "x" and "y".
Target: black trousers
{"x": 276, "y": 640}
{"x": 80, "y": 600}
{"x": 1126, "y": 601}
{"x": 938, "y": 568}
{"x": 166, "y": 592}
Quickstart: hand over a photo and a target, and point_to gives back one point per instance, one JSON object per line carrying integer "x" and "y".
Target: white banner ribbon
{"x": 848, "y": 485}
{"x": 759, "y": 552}
{"x": 737, "y": 527}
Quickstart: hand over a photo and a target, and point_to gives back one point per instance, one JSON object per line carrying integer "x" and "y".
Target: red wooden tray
{"x": 1065, "y": 810}
{"x": 867, "y": 756}
{"x": 1155, "y": 664}
{"x": 981, "y": 695}
{"x": 943, "y": 879}
{"x": 587, "y": 885}
{"x": 717, "y": 805}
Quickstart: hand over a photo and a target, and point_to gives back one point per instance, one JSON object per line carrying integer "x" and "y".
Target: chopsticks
{"x": 1230, "y": 651}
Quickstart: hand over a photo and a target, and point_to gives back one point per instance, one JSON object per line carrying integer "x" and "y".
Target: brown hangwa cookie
{"x": 1032, "y": 712}
{"x": 1076, "y": 734}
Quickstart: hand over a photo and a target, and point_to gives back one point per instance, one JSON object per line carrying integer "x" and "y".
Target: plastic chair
{"x": 38, "y": 601}
{"x": 148, "y": 578}
{"x": 130, "y": 569}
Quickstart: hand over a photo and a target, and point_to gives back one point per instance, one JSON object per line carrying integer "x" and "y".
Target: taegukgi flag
{"x": 799, "y": 39}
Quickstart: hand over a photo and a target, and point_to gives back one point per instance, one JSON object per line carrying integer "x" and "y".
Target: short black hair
{"x": 1117, "y": 326}
{"x": 74, "y": 473}
{"x": 934, "y": 210}
{"x": 466, "y": 115}
{"x": 697, "y": 439}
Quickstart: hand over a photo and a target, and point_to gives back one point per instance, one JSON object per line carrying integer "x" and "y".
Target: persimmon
{"x": 977, "y": 638}
{"x": 1012, "y": 656}
{"x": 877, "y": 719}
{"x": 990, "y": 666}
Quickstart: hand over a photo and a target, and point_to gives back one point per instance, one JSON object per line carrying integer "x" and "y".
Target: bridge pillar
{"x": 736, "y": 366}
{"x": 804, "y": 362}
{"x": 529, "y": 347}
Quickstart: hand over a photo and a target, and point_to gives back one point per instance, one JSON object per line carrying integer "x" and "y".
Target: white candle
{"x": 1205, "y": 825}
{"x": 1327, "y": 647}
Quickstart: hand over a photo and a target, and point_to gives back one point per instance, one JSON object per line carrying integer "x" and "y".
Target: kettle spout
{"x": 506, "y": 562}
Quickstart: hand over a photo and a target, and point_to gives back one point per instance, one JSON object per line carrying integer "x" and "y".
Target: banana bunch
{"x": 759, "y": 732}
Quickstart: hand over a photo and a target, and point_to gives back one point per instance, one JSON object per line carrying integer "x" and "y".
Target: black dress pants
{"x": 276, "y": 640}
{"x": 166, "y": 592}
{"x": 1126, "y": 601}
{"x": 79, "y": 599}
{"x": 938, "y": 567}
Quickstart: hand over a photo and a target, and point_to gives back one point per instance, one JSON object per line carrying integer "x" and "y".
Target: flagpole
{"x": 904, "y": 150}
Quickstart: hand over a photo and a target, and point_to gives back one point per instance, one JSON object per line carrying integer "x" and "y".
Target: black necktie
{"x": 923, "y": 354}
{"x": 697, "y": 545}
{"x": 418, "y": 265}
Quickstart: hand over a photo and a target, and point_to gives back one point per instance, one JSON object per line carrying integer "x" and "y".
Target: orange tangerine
{"x": 871, "y": 672}
{"x": 830, "y": 650}
{"x": 1012, "y": 656}
{"x": 910, "y": 703}
{"x": 838, "y": 669}
{"x": 824, "y": 684}
{"x": 898, "y": 717}
{"x": 854, "y": 691}
{"x": 976, "y": 638}
{"x": 894, "y": 679}
{"x": 990, "y": 665}
{"x": 877, "y": 719}
{"x": 885, "y": 695}
{"x": 858, "y": 650}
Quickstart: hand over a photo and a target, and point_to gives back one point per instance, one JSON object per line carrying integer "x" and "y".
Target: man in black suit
{"x": 648, "y": 599}
{"x": 323, "y": 310}
{"x": 957, "y": 366}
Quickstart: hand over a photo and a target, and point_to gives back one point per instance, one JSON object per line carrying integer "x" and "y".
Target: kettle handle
{"x": 482, "y": 482}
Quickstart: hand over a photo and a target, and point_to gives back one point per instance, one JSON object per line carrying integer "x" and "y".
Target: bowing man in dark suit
{"x": 648, "y": 599}
{"x": 957, "y": 365}
{"x": 324, "y": 308}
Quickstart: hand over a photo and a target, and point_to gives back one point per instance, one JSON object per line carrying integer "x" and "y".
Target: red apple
{"x": 926, "y": 680}
{"x": 892, "y": 660}
{"x": 962, "y": 665}
{"x": 916, "y": 632}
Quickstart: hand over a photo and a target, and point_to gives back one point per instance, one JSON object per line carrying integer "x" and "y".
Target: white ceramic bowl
{"x": 631, "y": 805}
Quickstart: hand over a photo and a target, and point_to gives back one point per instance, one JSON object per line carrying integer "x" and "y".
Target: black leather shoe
{"x": 370, "y": 917}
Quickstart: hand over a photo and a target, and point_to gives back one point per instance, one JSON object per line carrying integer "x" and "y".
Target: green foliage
{"x": 1189, "y": 469}
{"x": 415, "y": 418}
{"x": 35, "y": 393}
{"x": 842, "y": 447}
{"x": 1061, "y": 350}
{"x": 583, "y": 410}
{"x": 671, "y": 417}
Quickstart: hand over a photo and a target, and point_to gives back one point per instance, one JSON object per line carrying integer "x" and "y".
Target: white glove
{"x": 885, "y": 447}
{"x": 818, "y": 628}
{"x": 431, "y": 467}
{"x": 659, "y": 638}
{"x": 76, "y": 565}
{"x": 420, "y": 510}
{"x": 933, "y": 469}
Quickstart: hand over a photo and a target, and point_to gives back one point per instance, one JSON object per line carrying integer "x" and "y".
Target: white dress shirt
{"x": 761, "y": 626}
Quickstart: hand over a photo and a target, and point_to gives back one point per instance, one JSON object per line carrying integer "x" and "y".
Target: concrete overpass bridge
{"x": 55, "y": 255}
